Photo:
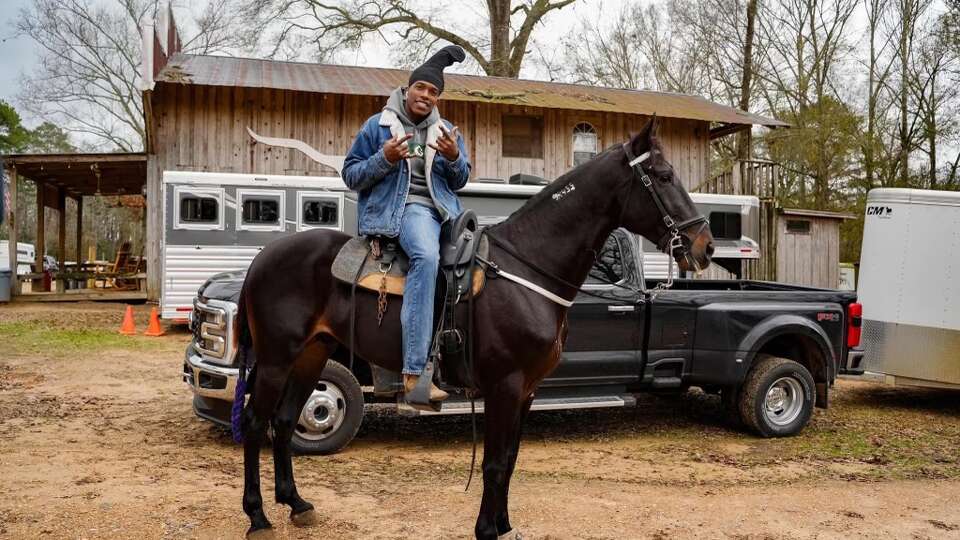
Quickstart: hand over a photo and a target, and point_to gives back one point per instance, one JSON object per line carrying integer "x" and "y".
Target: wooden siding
{"x": 811, "y": 259}
{"x": 203, "y": 128}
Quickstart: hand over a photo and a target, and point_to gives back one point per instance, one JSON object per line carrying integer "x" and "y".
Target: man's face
{"x": 421, "y": 99}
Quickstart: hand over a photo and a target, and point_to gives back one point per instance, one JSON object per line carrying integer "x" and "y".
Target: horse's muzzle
{"x": 697, "y": 249}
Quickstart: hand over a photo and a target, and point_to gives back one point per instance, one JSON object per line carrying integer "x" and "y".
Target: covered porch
{"x": 74, "y": 274}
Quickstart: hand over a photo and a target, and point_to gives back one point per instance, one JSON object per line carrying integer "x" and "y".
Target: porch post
{"x": 40, "y": 247}
{"x": 79, "y": 230}
{"x": 12, "y": 228}
{"x": 61, "y": 236}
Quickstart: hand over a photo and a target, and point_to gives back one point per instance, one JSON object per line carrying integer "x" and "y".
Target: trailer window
{"x": 322, "y": 213}
{"x": 798, "y": 226}
{"x": 320, "y": 210}
{"x": 725, "y": 225}
{"x": 198, "y": 210}
{"x": 261, "y": 211}
{"x": 608, "y": 266}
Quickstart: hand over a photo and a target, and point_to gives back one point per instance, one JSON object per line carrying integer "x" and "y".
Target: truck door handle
{"x": 620, "y": 309}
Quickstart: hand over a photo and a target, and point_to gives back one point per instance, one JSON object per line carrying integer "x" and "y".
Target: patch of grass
{"x": 35, "y": 337}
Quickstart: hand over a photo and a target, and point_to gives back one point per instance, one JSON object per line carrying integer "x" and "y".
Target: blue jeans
{"x": 420, "y": 240}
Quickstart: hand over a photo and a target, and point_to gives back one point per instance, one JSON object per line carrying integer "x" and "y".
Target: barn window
{"x": 585, "y": 143}
{"x": 320, "y": 210}
{"x": 798, "y": 226}
{"x": 725, "y": 225}
{"x": 522, "y": 136}
{"x": 259, "y": 210}
{"x": 198, "y": 208}
{"x": 608, "y": 266}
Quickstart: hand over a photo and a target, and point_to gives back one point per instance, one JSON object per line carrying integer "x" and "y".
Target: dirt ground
{"x": 98, "y": 440}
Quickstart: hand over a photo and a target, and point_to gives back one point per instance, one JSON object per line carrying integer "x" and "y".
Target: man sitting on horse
{"x": 406, "y": 163}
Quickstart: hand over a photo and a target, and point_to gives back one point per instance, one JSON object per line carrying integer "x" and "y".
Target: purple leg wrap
{"x": 237, "y": 410}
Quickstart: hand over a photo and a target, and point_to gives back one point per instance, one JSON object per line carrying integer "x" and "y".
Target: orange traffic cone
{"x": 127, "y": 328}
{"x": 154, "y": 329}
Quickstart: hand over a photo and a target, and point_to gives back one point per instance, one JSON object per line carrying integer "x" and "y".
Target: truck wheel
{"x": 332, "y": 415}
{"x": 777, "y": 398}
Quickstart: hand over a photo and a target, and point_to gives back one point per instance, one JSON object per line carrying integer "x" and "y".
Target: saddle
{"x": 378, "y": 264}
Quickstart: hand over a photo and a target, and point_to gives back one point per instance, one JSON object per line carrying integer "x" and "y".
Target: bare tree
{"x": 88, "y": 75}
{"x": 879, "y": 66}
{"x": 497, "y": 37}
{"x": 908, "y": 14}
{"x": 935, "y": 94}
{"x": 805, "y": 45}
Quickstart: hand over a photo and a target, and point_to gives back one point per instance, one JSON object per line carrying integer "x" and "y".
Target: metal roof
{"x": 84, "y": 174}
{"x": 367, "y": 81}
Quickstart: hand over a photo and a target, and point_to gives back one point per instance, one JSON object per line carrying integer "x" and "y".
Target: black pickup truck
{"x": 770, "y": 350}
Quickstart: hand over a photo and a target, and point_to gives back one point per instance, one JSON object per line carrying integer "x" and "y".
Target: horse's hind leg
{"x": 303, "y": 379}
{"x": 504, "y": 409}
{"x": 267, "y": 388}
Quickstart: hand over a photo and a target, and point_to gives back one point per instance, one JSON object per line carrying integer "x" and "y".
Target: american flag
{"x": 4, "y": 195}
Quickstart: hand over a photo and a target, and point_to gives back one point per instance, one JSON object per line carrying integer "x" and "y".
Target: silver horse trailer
{"x": 910, "y": 288}
{"x": 217, "y": 222}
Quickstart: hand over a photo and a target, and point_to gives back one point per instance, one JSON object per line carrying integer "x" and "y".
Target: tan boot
{"x": 410, "y": 382}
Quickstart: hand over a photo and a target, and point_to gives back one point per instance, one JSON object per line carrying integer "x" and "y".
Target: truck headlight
{"x": 211, "y": 327}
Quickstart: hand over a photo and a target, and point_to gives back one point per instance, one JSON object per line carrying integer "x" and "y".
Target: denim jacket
{"x": 383, "y": 186}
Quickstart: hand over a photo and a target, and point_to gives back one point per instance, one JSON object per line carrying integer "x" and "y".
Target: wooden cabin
{"x": 198, "y": 109}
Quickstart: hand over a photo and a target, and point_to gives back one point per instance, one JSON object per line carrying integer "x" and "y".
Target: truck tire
{"x": 777, "y": 398}
{"x": 332, "y": 415}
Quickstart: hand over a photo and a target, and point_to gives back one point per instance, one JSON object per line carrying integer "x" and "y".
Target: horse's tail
{"x": 242, "y": 331}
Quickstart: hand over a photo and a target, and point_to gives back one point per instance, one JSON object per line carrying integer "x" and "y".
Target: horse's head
{"x": 658, "y": 207}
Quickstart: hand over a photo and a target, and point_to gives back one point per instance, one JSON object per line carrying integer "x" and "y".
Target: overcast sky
{"x": 16, "y": 53}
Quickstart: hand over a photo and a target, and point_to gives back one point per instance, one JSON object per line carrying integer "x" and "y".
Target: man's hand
{"x": 396, "y": 149}
{"x": 447, "y": 145}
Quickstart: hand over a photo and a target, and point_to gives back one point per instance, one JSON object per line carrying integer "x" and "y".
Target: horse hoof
{"x": 307, "y": 518}
{"x": 513, "y": 534}
{"x": 261, "y": 534}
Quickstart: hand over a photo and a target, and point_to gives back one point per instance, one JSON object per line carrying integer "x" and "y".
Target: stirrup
{"x": 419, "y": 397}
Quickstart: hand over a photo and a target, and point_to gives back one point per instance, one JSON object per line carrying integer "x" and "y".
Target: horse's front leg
{"x": 504, "y": 406}
{"x": 503, "y": 517}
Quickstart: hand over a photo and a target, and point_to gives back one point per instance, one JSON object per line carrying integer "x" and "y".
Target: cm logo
{"x": 882, "y": 211}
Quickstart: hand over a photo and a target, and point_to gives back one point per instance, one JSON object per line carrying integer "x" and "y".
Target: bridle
{"x": 672, "y": 240}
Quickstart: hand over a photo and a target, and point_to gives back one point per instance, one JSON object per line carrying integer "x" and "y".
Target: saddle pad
{"x": 357, "y": 251}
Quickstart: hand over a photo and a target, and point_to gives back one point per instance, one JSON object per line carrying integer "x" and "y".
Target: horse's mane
{"x": 560, "y": 182}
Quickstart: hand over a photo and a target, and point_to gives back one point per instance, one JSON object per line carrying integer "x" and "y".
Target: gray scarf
{"x": 419, "y": 193}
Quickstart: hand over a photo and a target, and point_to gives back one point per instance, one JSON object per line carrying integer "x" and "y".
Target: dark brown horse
{"x": 296, "y": 315}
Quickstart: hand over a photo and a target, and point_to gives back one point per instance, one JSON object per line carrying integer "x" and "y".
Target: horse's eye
{"x": 667, "y": 178}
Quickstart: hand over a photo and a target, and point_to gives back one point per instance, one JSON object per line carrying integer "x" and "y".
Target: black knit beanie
{"x": 432, "y": 70}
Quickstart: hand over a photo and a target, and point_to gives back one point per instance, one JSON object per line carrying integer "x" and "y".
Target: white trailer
{"x": 26, "y": 256}
{"x": 217, "y": 222}
{"x": 910, "y": 288}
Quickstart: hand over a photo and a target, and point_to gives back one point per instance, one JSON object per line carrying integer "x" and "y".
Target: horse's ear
{"x": 649, "y": 131}
{"x": 643, "y": 141}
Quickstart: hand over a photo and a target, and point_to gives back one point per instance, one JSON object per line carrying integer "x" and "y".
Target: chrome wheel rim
{"x": 784, "y": 401}
{"x": 323, "y": 414}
